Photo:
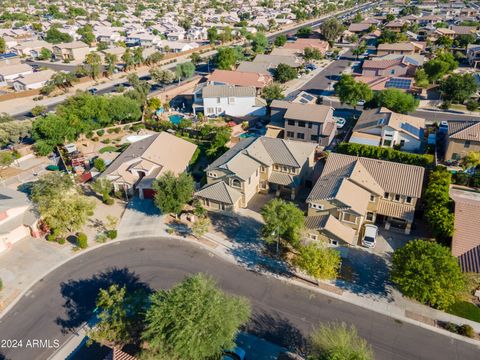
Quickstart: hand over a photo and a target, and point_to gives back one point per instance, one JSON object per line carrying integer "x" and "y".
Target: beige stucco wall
{"x": 458, "y": 147}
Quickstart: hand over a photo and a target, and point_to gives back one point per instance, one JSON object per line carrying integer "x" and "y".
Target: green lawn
{"x": 466, "y": 310}
{"x": 108, "y": 149}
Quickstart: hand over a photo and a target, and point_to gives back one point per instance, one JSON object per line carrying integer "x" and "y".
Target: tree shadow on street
{"x": 278, "y": 330}
{"x": 80, "y": 295}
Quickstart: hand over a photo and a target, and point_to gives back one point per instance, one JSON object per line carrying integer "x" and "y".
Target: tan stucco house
{"x": 76, "y": 50}
{"x": 463, "y": 137}
{"x": 352, "y": 191}
{"x": 256, "y": 165}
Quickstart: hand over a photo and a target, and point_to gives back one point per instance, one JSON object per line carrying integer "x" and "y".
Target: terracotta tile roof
{"x": 117, "y": 354}
{"x": 332, "y": 227}
{"x": 405, "y": 46}
{"x": 301, "y": 44}
{"x": 466, "y": 241}
{"x": 464, "y": 30}
{"x": 464, "y": 130}
{"x": 240, "y": 78}
{"x": 308, "y": 112}
{"x": 397, "y": 210}
{"x": 358, "y": 27}
{"x": 380, "y": 64}
{"x": 221, "y": 192}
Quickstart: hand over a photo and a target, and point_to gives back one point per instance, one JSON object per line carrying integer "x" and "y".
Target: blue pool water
{"x": 247, "y": 135}
{"x": 175, "y": 119}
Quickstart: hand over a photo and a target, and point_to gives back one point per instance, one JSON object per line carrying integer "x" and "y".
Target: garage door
{"x": 148, "y": 193}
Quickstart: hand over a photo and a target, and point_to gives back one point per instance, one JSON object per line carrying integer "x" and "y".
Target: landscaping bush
{"x": 82, "y": 241}
{"x": 117, "y": 130}
{"x": 108, "y": 149}
{"x": 388, "y": 154}
{"x": 110, "y": 131}
{"x": 51, "y": 237}
{"x": 112, "y": 234}
{"x": 461, "y": 179}
{"x": 108, "y": 200}
{"x": 1, "y": 284}
{"x": 106, "y": 141}
{"x": 61, "y": 240}
{"x": 100, "y": 132}
{"x": 451, "y": 327}
{"x": 466, "y": 330}
{"x": 99, "y": 164}
{"x": 101, "y": 238}
{"x": 89, "y": 134}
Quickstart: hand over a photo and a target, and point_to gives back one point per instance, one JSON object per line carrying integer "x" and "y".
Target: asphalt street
{"x": 283, "y": 313}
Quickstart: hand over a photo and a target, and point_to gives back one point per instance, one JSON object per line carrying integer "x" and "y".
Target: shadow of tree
{"x": 145, "y": 206}
{"x": 278, "y": 330}
{"x": 26, "y": 187}
{"x": 80, "y": 295}
{"x": 365, "y": 273}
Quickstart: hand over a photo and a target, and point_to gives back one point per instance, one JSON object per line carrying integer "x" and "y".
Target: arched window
{"x": 236, "y": 183}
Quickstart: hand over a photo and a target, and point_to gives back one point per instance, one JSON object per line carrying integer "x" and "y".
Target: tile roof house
{"x": 465, "y": 241}
{"x": 392, "y": 65}
{"x": 383, "y": 127}
{"x": 302, "y": 122}
{"x": 238, "y": 78}
{"x": 463, "y": 137}
{"x": 401, "y": 48}
{"x": 300, "y": 45}
{"x": 76, "y": 50}
{"x": 17, "y": 218}
{"x": 256, "y": 165}
{"x": 352, "y": 191}
{"x": 227, "y": 100}
{"x": 146, "y": 160}
{"x": 359, "y": 27}
{"x": 10, "y": 72}
{"x": 33, "y": 81}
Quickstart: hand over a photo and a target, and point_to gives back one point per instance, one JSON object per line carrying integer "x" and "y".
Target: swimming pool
{"x": 175, "y": 119}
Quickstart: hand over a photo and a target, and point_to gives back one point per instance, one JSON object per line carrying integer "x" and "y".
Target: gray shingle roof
{"x": 212, "y": 91}
{"x": 219, "y": 191}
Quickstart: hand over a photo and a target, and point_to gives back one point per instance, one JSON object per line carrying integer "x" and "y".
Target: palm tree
{"x": 94, "y": 61}
{"x": 110, "y": 62}
{"x": 138, "y": 56}
{"x": 127, "y": 59}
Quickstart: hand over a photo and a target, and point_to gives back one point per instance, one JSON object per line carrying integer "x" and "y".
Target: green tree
{"x": 104, "y": 187}
{"x": 421, "y": 78}
{"x": 438, "y": 67}
{"x": 173, "y": 192}
{"x": 331, "y": 29}
{"x": 338, "y": 341}
{"x": 55, "y": 36}
{"x": 396, "y": 100}
{"x": 226, "y": 58}
{"x": 138, "y": 56}
{"x": 12, "y": 132}
{"x": 61, "y": 203}
{"x": 360, "y": 49}
{"x": 94, "y": 62}
{"x": 39, "y": 110}
{"x": 259, "y": 43}
{"x": 472, "y": 160}
{"x": 318, "y": 261}
{"x": 201, "y": 226}
{"x": 127, "y": 59}
{"x": 120, "y": 316}
{"x": 154, "y": 58}
{"x": 280, "y": 40}
{"x": 472, "y": 105}
{"x": 45, "y": 54}
{"x": 196, "y": 58}
{"x": 351, "y": 92}
{"x": 99, "y": 164}
{"x": 284, "y": 73}
{"x": 304, "y": 32}
{"x": 87, "y": 35}
{"x": 162, "y": 76}
{"x": 3, "y": 45}
{"x": 283, "y": 223}
{"x": 428, "y": 272}
{"x": 110, "y": 62}
{"x": 273, "y": 92}
{"x": 185, "y": 70}
{"x": 444, "y": 41}
{"x": 310, "y": 53}
{"x": 193, "y": 320}
{"x": 50, "y": 131}
{"x": 457, "y": 87}
{"x": 212, "y": 35}
{"x": 6, "y": 158}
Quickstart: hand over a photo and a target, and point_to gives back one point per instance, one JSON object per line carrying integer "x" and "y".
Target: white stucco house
{"x": 235, "y": 101}
{"x": 10, "y": 72}
{"x": 33, "y": 81}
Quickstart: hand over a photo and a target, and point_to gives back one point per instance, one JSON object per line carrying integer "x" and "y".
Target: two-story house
{"x": 257, "y": 165}
{"x": 352, "y": 191}
{"x": 303, "y": 122}
{"x": 383, "y": 127}
{"x": 238, "y": 78}
{"x": 76, "y": 50}
{"x": 401, "y": 48}
{"x": 463, "y": 136}
{"x": 227, "y": 100}
{"x": 392, "y": 65}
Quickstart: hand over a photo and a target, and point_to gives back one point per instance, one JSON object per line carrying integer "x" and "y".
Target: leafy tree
{"x": 273, "y": 92}
{"x": 396, "y": 100}
{"x": 87, "y": 35}
{"x": 358, "y": 18}
{"x": 3, "y": 45}
{"x": 444, "y": 41}
{"x": 351, "y": 92}
{"x": 138, "y": 56}
{"x": 193, "y": 320}
{"x": 318, "y": 261}
{"x": 99, "y": 164}
{"x": 338, "y": 341}
{"x": 284, "y": 73}
{"x": 94, "y": 62}
{"x": 421, "y": 78}
{"x": 51, "y": 130}
{"x": 140, "y": 90}
{"x": 391, "y": 37}
{"x": 438, "y": 67}
{"x": 428, "y": 272}
{"x": 259, "y": 43}
{"x": 185, "y": 70}
{"x": 280, "y": 40}
{"x": 111, "y": 62}
{"x": 465, "y": 39}
{"x": 120, "y": 316}
{"x": 45, "y": 54}
{"x": 304, "y": 32}
{"x": 283, "y": 222}
{"x": 103, "y": 186}
{"x": 360, "y": 49}
{"x": 200, "y": 226}
{"x": 212, "y": 35}
{"x": 13, "y": 132}
{"x": 127, "y": 59}
{"x": 39, "y": 110}
{"x": 472, "y": 160}
{"x": 173, "y": 192}
{"x": 154, "y": 58}
{"x": 457, "y": 87}
{"x": 55, "y": 36}
{"x": 162, "y": 76}
{"x": 472, "y": 105}
{"x": 60, "y": 202}
{"x": 331, "y": 29}
{"x": 221, "y": 136}
{"x": 226, "y": 58}
{"x": 196, "y": 58}
{"x": 6, "y": 158}
{"x": 310, "y": 53}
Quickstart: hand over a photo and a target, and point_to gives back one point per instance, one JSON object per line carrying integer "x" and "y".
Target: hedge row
{"x": 382, "y": 153}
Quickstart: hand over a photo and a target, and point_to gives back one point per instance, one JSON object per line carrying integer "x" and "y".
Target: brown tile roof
{"x": 240, "y": 78}
{"x": 466, "y": 241}
{"x": 397, "y": 210}
{"x": 464, "y": 130}
{"x": 308, "y": 112}
{"x": 301, "y": 44}
{"x": 380, "y": 64}
{"x": 405, "y": 46}
{"x": 117, "y": 354}
{"x": 332, "y": 228}
{"x": 221, "y": 192}
{"x": 464, "y": 30}
{"x": 358, "y": 27}
{"x": 212, "y": 91}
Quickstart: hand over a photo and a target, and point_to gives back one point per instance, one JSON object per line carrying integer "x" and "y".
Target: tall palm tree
{"x": 127, "y": 59}
{"x": 138, "y": 56}
{"x": 94, "y": 61}
{"x": 110, "y": 62}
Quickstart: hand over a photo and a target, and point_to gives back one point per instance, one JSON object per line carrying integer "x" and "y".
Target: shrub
{"x": 1, "y": 284}
{"x": 89, "y": 135}
{"x": 99, "y": 164}
{"x": 108, "y": 200}
{"x": 112, "y": 234}
{"x": 101, "y": 238}
{"x": 451, "y": 327}
{"x": 100, "y": 132}
{"x": 106, "y": 141}
{"x": 117, "y": 130}
{"x": 82, "y": 241}
{"x": 61, "y": 240}
{"x": 466, "y": 330}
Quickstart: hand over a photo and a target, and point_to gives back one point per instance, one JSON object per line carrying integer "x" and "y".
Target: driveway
{"x": 141, "y": 219}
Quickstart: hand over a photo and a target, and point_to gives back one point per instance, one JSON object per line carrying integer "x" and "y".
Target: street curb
{"x": 269, "y": 274}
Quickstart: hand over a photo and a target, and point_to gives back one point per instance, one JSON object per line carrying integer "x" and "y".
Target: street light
{"x": 277, "y": 232}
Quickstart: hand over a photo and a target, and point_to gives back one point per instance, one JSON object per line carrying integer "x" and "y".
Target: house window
{"x": 386, "y": 195}
{"x": 222, "y": 206}
{"x": 314, "y": 137}
{"x": 300, "y": 136}
{"x": 372, "y": 198}
{"x": 408, "y": 199}
{"x": 291, "y": 122}
{"x": 263, "y": 169}
{"x": 402, "y": 142}
{"x": 218, "y": 100}
{"x": 236, "y": 183}
{"x": 207, "y": 202}
{"x": 285, "y": 169}
{"x": 333, "y": 242}
{"x": 392, "y": 72}
{"x": 210, "y": 110}
{"x": 310, "y": 125}
{"x": 231, "y": 100}
{"x": 467, "y": 144}
{"x": 212, "y": 174}
{"x": 219, "y": 110}
{"x": 276, "y": 167}
{"x": 370, "y": 216}
{"x": 249, "y": 180}
{"x": 397, "y": 197}
{"x": 349, "y": 218}
{"x": 316, "y": 206}
{"x": 290, "y": 134}
{"x": 301, "y": 123}
{"x": 313, "y": 236}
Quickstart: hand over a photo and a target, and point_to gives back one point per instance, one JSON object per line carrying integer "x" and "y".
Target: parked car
{"x": 310, "y": 67}
{"x": 361, "y": 102}
{"x": 93, "y": 91}
{"x": 369, "y": 239}
{"x": 340, "y": 122}
{"x": 236, "y": 354}
{"x": 443, "y": 127}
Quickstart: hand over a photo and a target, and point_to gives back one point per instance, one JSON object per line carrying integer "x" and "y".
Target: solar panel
{"x": 308, "y": 97}
{"x": 412, "y": 129}
{"x": 7, "y": 55}
{"x": 303, "y": 101}
{"x": 399, "y": 83}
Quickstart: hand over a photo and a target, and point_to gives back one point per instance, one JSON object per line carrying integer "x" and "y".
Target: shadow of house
{"x": 80, "y": 295}
{"x": 278, "y": 330}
